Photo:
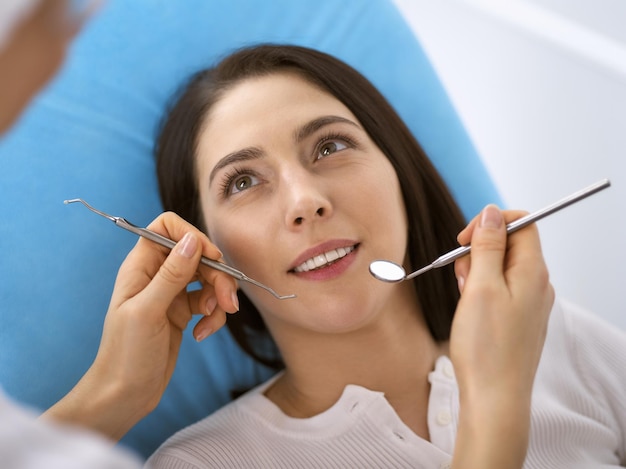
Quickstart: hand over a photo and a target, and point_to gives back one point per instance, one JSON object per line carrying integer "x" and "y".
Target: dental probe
{"x": 168, "y": 243}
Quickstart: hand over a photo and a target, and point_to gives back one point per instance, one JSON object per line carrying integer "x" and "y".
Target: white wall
{"x": 541, "y": 88}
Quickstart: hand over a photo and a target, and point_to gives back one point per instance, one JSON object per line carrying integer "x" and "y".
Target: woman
{"x": 302, "y": 174}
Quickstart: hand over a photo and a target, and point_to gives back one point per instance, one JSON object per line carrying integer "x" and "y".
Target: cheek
{"x": 238, "y": 238}
{"x": 388, "y": 217}
{"x": 385, "y": 195}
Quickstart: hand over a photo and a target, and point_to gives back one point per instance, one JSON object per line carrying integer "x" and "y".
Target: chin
{"x": 340, "y": 319}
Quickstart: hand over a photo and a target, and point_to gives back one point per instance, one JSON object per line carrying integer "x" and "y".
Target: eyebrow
{"x": 245, "y": 154}
{"x": 253, "y": 153}
{"x": 316, "y": 124}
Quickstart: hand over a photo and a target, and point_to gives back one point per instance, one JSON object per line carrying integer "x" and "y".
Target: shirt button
{"x": 445, "y": 465}
{"x": 444, "y": 417}
{"x": 448, "y": 370}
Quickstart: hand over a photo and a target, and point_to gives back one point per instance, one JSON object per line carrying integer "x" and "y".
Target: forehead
{"x": 255, "y": 108}
{"x": 271, "y": 96}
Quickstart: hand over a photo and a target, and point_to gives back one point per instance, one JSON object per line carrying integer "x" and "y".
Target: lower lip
{"x": 330, "y": 271}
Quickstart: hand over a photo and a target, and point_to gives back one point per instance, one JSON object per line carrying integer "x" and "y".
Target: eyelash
{"x": 235, "y": 172}
{"x": 229, "y": 179}
{"x": 332, "y": 136}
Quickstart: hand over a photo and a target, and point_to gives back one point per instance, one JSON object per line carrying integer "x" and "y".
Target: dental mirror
{"x": 388, "y": 271}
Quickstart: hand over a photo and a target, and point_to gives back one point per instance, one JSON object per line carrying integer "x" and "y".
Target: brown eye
{"x": 238, "y": 180}
{"x": 330, "y": 147}
{"x": 242, "y": 183}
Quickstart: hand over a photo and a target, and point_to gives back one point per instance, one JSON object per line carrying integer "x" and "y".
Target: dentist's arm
{"x": 497, "y": 339}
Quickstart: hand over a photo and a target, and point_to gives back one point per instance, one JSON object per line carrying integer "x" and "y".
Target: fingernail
{"x": 491, "y": 217}
{"x": 461, "y": 282}
{"x": 187, "y": 246}
{"x": 210, "y": 305}
{"x": 203, "y": 334}
{"x": 235, "y": 300}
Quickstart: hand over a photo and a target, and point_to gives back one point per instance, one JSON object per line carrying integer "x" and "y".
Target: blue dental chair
{"x": 90, "y": 134}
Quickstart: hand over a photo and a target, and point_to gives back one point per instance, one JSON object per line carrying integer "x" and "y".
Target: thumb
{"x": 488, "y": 246}
{"x": 175, "y": 273}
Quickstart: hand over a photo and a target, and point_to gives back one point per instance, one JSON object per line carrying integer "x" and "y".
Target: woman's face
{"x": 297, "y": 196}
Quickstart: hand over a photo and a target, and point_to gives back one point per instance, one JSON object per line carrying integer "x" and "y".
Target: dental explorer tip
{"x": 95, "y": 210}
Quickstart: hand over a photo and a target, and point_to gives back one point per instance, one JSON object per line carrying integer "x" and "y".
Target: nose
{"x": 306, "y": 200}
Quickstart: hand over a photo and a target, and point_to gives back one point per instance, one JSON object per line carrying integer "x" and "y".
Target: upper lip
{"x": 321, "y": 249}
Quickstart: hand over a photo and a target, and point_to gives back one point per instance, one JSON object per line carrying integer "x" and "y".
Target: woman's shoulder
{"x": 587, "y": 338}
{"x": 583, "y": 362}
{"x": 579, "y": 389}
{"x": 598, "y": 349}
{"x": 582, "y": 342}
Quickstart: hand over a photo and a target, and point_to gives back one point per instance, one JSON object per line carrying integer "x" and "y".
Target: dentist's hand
{"x": 150, "y": 307}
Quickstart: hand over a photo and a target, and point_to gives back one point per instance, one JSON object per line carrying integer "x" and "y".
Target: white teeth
{"x": 324, "y": 259}
{"x": 333, "y": 255}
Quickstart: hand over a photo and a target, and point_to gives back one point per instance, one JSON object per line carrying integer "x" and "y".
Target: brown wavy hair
{"x": 434, "y": 217}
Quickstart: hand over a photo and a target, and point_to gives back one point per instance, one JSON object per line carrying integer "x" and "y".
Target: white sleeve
{"x": 30, "y": 443}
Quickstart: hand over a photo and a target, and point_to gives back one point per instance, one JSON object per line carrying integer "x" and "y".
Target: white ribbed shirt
{"x": 578, "y": 416}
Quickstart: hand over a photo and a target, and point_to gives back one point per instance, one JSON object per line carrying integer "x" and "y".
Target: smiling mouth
{"x": 324, "y": 260}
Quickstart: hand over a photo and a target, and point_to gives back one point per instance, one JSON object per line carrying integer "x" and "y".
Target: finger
{"x": 465, "y": 236}
{"x": 172, "y": 226}
{"x": 461, "y": 269}
{"x": 179, "y": 313}
{"x": 488, "y": 246}
{"x": 175, "y": 273}
{"x": 147, "y": 257}
{"x": 462, "y": 265}
{"x": 525, "y": 266}
{"x": 204, "y": 302}
{"x": 224, "y": 286}
{"x": 149, "y": 260}
{"x": 209, "y": 324}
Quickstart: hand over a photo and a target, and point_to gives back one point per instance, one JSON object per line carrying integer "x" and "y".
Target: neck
{"x": 393, "y": 355}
